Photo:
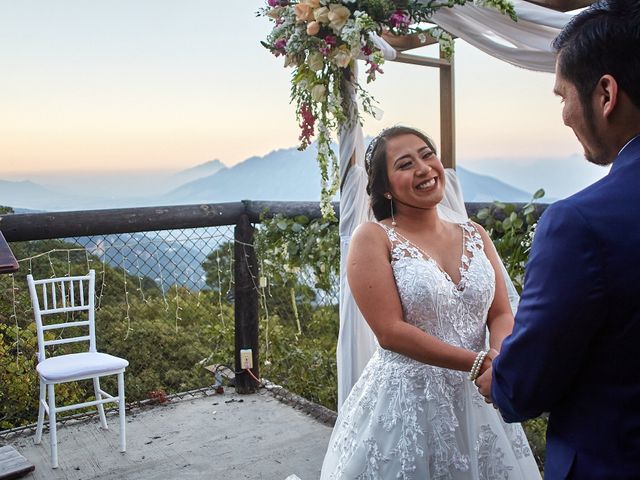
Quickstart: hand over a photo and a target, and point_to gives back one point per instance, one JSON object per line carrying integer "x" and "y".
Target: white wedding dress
{"x": 408, "y": 420}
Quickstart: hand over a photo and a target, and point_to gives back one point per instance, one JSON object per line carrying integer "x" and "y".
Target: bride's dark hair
{"x": 376, "y": 165}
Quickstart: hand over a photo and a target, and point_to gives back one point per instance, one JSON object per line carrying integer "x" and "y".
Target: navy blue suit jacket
{"x": 575, "y": 347}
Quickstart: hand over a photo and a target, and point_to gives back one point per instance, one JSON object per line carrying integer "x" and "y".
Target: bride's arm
{"x": 374, "y": 289}
{"x": 500, "y": 317}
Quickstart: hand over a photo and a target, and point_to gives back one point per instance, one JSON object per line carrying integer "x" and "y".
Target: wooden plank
{"x": 8, "y": 262}
{"x": 420, "y": 60}
{"x": 408, "y": 42}
{"x": 256, "y": 209}
{"x": 12, "y": 464}
{"x": 40, "y": 226}
{"x": 447, "y": 115}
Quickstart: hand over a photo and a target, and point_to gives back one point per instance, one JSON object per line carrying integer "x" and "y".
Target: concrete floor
{"x": 225, "y": 436}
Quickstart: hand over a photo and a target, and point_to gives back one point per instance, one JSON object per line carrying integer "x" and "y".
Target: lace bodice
{"x": 432, "y": 301}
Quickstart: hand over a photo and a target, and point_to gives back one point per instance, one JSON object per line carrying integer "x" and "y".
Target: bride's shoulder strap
{"x": 473, "y": 238}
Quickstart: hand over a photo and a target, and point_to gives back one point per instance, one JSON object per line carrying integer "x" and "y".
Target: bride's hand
{"x": 488, "y": 360}
{"x": 483, "y": 382}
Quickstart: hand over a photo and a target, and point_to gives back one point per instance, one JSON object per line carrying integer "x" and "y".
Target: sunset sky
{"x": 158, "y": 84}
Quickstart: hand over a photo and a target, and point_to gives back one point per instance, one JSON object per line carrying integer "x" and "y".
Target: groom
{"x": 575, "y": 347}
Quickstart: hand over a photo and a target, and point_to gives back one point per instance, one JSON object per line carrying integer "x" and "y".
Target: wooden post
{"x": 246, "y": 303}
{"x": 447, "y": 115}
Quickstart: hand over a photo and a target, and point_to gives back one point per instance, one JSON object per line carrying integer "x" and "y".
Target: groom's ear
{"x": 606, "y": 95}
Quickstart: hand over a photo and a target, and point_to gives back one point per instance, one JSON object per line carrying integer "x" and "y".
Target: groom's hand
{"x": 483, "y": 382}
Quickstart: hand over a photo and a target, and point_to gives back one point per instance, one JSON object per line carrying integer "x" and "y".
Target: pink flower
{"x": 399, "y": 19}
{"x": 329, "y": 43}
{"x": 307, "y": 125}
{"x": 279, "y": 47}
{"x": 372, "y": 70}
{"x": 367, "y": 50}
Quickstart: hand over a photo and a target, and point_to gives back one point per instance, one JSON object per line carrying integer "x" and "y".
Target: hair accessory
{"x": 369, "y": 153}
{"x": 372, "y": 146}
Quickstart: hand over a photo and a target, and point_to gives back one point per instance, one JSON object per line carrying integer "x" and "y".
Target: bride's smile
{"x": 428, "y": 184}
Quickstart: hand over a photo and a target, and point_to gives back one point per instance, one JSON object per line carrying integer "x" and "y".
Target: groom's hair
{"x": 603, "y": 39}
{"x": 376, "y": 165}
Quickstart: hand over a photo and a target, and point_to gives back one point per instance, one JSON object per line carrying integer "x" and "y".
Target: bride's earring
{"x": 393, "y": 219}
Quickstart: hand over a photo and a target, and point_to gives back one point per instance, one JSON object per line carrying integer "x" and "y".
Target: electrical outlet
{"x": 246, "y": 358}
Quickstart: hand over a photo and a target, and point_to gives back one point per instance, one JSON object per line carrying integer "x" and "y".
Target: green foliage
{"x": 165, "y": 353}
{"x": 536, "y": 430}
{"x": 512, "y": 231}
{"x": 218, "y": 268}
{"x": 291, "y": 247}
{"x": 304, "y": 363}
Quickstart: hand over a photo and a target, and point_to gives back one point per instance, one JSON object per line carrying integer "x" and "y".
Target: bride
{"x": 428, "y": 288}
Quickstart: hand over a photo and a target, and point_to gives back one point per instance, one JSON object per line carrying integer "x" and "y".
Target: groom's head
{"x": 598, "y": 76}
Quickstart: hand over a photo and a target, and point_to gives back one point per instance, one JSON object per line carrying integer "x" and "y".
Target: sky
{"x": 88, "y": 85}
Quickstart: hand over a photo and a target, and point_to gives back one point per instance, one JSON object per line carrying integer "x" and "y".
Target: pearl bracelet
{"x": 477, "y": 363}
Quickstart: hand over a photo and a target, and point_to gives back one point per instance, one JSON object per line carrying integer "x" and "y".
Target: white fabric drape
{"x": 526, "y": 44}
{"x": 356, "y": 341}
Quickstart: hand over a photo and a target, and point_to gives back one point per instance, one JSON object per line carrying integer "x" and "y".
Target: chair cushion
{"x": 74, "y": 365}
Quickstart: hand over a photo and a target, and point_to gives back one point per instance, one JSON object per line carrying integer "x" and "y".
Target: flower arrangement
{"x": 321, "y": 39}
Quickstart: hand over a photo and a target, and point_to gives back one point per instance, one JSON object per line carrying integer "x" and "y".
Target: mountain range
{"x": 284, "y": 174}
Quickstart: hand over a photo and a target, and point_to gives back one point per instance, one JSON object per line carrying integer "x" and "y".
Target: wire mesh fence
{"x": 165, "y": 301}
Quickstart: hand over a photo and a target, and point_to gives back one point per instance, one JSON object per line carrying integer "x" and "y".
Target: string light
{"x": 178, "y": 307}
{"x": 88, "y": 259}
{"x": 126, "y": 297}
{"x": 164, "y": 297}
{"x": 140, "y": 289}
{"x": 15, "y": 316}
{"x": 53, "y": 270}
{"x": 220, "y": 315}
{"x": 263, "y": 299}
{"x": 103, "y": 274}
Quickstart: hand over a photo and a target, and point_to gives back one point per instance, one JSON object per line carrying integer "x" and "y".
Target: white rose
{"x": 315, "y": 61}
{"x": 342, "y": 57}
{"x": 318, "y": 92}
{"x": 321, "y": 15}
{"x": 338, "y": 16}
